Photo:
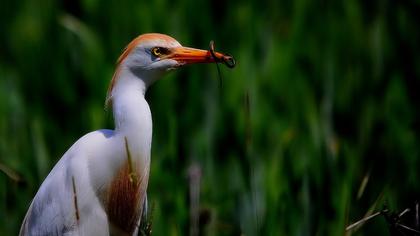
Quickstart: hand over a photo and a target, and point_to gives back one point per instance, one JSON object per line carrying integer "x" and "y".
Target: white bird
{"x": 99, "y": 185}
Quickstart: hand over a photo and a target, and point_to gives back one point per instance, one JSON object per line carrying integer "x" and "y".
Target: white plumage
{"x": 99, "y": 185}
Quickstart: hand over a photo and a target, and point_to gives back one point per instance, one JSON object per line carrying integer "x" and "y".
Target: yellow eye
{"x": 156, "y": 51}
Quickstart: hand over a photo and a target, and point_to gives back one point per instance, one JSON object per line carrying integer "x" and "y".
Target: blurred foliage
{"x": 317, "y": 124}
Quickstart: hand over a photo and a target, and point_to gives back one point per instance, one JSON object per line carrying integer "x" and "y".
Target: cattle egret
{"x": 99, "y": 185}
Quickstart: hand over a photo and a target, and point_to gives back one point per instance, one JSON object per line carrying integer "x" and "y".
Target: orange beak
{"x": 186, "y": 55}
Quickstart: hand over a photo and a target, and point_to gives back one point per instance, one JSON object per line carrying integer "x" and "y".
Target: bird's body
{"x": 107, "y": 196}
{"x": 99, "y": 185}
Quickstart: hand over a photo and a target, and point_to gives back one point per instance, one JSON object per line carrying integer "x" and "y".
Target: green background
{"x": 316, "y": 125}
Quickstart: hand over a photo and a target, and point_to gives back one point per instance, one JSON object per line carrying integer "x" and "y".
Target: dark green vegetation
{"x": 317, "y": 122}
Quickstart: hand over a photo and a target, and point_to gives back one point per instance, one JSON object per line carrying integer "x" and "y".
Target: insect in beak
{"x": 226, "y": 59}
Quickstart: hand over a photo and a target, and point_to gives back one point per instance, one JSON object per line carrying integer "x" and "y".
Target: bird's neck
{"x": 133, "y": 119}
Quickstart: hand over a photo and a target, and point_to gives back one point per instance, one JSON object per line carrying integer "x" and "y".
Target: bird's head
{"x": 150, "y": 55}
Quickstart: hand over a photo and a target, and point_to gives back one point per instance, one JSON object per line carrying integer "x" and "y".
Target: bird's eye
{"x": 157, "y": 51}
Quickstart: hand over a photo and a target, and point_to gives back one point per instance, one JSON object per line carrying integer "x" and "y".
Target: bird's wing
{"x": 66, "y": 202}
{"x": 49, "y": 213}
